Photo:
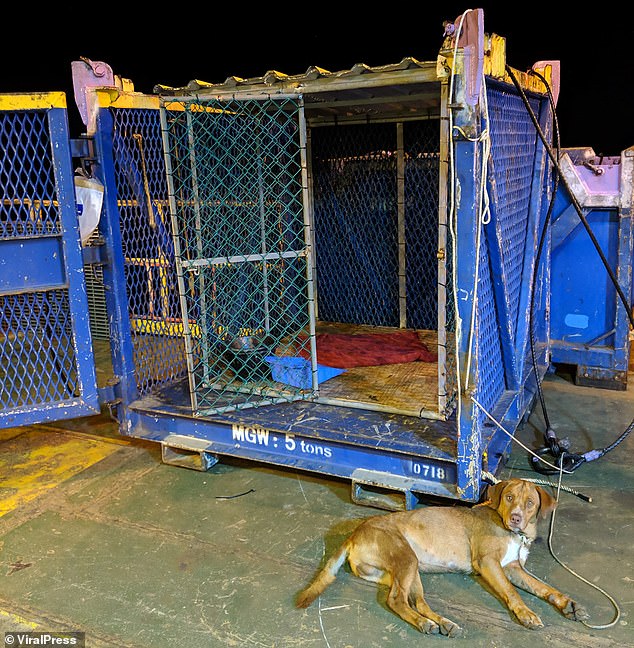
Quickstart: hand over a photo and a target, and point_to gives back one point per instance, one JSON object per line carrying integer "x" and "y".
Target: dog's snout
{"x": 516, "y": 519}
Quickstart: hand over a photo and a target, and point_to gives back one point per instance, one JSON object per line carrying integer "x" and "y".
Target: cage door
{"x": 46, "y": 359}
{"x": 237, "y": 182}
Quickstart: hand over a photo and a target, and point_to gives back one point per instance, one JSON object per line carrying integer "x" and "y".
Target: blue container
{"x": 589, "y": 323}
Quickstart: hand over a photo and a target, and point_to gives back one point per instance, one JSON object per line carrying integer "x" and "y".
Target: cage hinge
{"x": 96, "y": 253}
{"x": 110, "y": 393}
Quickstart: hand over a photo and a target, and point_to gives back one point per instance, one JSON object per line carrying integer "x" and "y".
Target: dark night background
{"x": 174, "y": 43}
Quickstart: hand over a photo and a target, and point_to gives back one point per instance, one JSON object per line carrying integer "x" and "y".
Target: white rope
{"x": 499, "y": 425}
{"x": 581, "y": 578}
{"x": 484, "y": 217}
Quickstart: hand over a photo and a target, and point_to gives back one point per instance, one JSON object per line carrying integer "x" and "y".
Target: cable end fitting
{"x": 593, "y": 454}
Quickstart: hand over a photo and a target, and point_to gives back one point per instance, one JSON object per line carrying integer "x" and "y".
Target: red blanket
{"x": 365, "y": 350}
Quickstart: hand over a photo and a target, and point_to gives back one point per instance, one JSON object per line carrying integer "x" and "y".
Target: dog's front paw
{"x": 444, "y": 627}
{"x": 449, "y": 628}
{"x": 529, "y": 619}
{"x": 574, "y": 611}
{"x": 427, "y": 626}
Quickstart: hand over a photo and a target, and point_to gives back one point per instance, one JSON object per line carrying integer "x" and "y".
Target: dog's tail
{"x": 325, "y": 577}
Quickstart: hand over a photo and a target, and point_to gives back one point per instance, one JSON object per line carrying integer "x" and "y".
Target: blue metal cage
{"x": 353, "y": 172}
{"x": 46, "y": 365}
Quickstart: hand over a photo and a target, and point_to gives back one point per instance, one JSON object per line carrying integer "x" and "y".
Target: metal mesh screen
{"x": 235, "y": 172}
{"x": 96, "y": 303}
{"x": 37, "y": 354}
{"x": 355, "y": 214}
{"x": 513, "y": 142}
{"x": 37, "y": 359}
{"x": 27, "y": 183}
{"x": 95, "y": 290}
{"x": 153, "y": 305}
{"x": 513, "y": 149}
{"x": 422, "y": 165}
{"x": 355, "y": 176}
{"x": 490, "y": 368}
{"x": 376, "y": 220}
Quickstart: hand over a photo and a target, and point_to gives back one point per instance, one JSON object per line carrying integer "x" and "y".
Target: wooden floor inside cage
{"x": 408, "y": 388}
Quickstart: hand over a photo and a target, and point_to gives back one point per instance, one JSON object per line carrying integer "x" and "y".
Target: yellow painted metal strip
{"x": 36, "y": 461}
{"x": 161, "y": 327}
{"x": 529, "y": 81}
{"x": 32, "y": 101}
{"x": 495, "y": 66}
{"x": 494, "y": 55}
{"x": 16, "y": 618}
{"x": 114, "y": 98}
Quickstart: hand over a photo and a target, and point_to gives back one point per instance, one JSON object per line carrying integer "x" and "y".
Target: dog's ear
{"x": 494, "y": 494}
{"x": 547, "y": 502}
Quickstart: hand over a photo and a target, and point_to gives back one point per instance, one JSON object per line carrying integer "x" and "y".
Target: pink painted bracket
{"x": 89, "y": 74}
{"x": 555, "y": 75}
{"x": 471, "y": 39}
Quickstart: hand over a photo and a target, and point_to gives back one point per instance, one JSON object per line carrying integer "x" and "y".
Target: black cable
{"x": 565, "y": 460}
{"x": 553, "y": 445}
{"x": 549, "y": 436}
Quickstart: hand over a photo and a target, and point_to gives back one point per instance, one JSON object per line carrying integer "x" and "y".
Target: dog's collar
{"x": 525, "y": 540}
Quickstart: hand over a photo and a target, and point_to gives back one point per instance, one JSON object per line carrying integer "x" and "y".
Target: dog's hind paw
{"x": 575, "y": 612}
{"x": 529, "y": 619}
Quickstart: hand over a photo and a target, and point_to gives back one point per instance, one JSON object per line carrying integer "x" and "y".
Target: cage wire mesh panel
{"x": 235, "y": 171}
{"x": 488, "y": 351}
{"x": 356, "y": 223}
{"x": 513, "y": 140}
{"x": 513, "y": 161}
{"x": 355, "y": 219}
{"x": 429, "y": 294}
{"x": 146, "y": 234}
{"x": 37, "y": 355}
{"x": 376, "y": 223}
{"x": 96, "y": 297}
{"x": 43, "y": 366}
{"x": 422, "y": 166}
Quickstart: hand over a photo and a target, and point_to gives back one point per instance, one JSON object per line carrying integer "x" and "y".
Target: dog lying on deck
{"x": 491, "y": 539}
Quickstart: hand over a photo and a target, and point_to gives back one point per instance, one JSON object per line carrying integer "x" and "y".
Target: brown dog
{"x": 490, "y": 539}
